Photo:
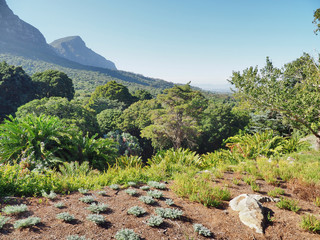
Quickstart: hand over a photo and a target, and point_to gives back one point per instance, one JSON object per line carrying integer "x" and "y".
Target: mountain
{"x": 75, "y": 49}
{"x": 21, "y": 44}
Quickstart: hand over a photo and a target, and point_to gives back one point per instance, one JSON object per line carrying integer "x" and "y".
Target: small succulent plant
{"x": 97, "y": 208}
{"x": 115, "y": 186}
{"x": 59, "y": 205}
{"x": 169, "y": 202}
{"x": 3, "y": 221}
{"x": 171, "y": 213}
{"x": 52, "y": 195}
{"x": 15, "y": 209}
{"x": 132, "y": 184}
{"x": 102, "y": 193}
{"x": 77, "y": 237}
{"x": 87, "y": 199}
{"x": 131, "y": 192}
{"x": 83, "y": 191}
{"x": 157, "y": 185}
{"x": 96, "y": 218}
{"x": 202, "y": 230}
{"x": 155, "y": 221}
{"x": 147, "y": 199}
{"x": 27, "y": 222}
{"x": 145, "y": 188}
{"x": 136, "y": 210}
{"x": 126, "y": 234}
{"x": 155, "y": 194}
{"x": 65, "y": 216}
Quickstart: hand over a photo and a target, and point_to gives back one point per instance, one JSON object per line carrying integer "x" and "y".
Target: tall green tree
{"x": 52, "y": 83}
{"x": 176, "y": 124}
{"x": 316, "y": 20}
{"x": 294, "y": 92}
{"x": 16, "y": 88}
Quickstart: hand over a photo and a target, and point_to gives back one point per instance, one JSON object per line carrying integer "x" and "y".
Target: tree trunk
{"x": 317, "y": 146}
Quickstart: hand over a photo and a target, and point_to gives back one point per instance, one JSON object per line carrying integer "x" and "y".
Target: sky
{"x": 202, "y": 41}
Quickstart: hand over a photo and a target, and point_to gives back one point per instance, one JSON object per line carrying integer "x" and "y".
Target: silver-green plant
{"x": 131, "y": 192}
{"x": 83, "y": 191}
{"x": 65, "y": 216}
{"x": 96, "y": 218}
{"x": 15, "y": 209}
{"x": 147, "y": 199}
{"x": 87, "y": 199}
{"x": 97, "y": 208}
{"x": 145, "y": 188}
{"x": 114, "y": 186}
{"x": 126, "y": 234}
{"x": 3, "y": 221}
{"x": 155, "y": 221}
{"x": 102, "y": 193}
{"x": 202, "y": 230}
{"x": 155, "y": 193}
{"x": 59, "y": 205}
{"x": 157, "y": 185}
{"x": 77, "y": 237}
{"x": 169, "y": 202}
{"x": 28, "y": 222}
{"x": 136, "y": 211}
{"x": 52, "y": 195}
{"x": 171, "y": 213}
{"x": 132, "y": 184}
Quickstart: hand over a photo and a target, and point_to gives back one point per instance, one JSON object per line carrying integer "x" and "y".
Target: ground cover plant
{"x": 28, "y": 222}
{"x": 15, "y": 209}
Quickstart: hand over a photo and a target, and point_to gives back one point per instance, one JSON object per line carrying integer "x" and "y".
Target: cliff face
{"x": 74, "y": 49}
{"x": 17, "y": 35}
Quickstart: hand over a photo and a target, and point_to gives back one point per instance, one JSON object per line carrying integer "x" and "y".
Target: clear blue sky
{"x": 201, "y": 41}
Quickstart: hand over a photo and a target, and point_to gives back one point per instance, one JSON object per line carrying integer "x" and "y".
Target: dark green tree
{"x": 52, "y": 83}
{"x": 108, "y": 120}
{"x": 142, "y": 95}
{"x": 16, "y": 89}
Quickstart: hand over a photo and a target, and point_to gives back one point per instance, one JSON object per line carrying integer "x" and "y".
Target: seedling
{"x": 136, "y": 211}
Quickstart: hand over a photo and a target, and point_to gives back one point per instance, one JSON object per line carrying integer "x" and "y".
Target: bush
{"x": 28, "y": 222}
{"x": 15, "y": 209}
{"x": 126, "y": 234}
{"x": 128, "y": 144}
{"x": 155, "y": 221}
{"x": 136, "y": 210}
{"x": 202, "y": 230}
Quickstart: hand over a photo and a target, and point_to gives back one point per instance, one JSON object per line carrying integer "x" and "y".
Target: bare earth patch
{"x": 223, "y": 223}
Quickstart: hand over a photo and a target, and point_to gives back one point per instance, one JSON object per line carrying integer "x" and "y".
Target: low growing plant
{"x": 3, "y": 221}
{"x": 169, "y": 202}
{"x": 288, "y": 204}
{"x": 28, "y": 222}
{"x": 126, "y": 234}
{"x": 132, "y": 184}
{"x": 52, "y": 195}
{"x": 157, "y": 185}
{"x": 96, "y": 218}
{"x": 136, "y": 211}
{"x": 15, "y": 209}
{"x": 202, "y": 230}
{"x": 65, "y": 216}
{"x": 114, "y": 186}
{"x": 317, "y": 201}
{"x": 155, "y": 221}
{"x": 171, "y": 213}
{"x": 310, "y": 223}
{"x": 131, "y": 192}
{"x": 87, "y": 199}
{"x": 77, "y": 237}
{"x": 276, "y": 192}
{"x": 97, "y": 208}
{"x": 155, "y": 194}
{"x": 59, "y": 205}
{"x": 147, "y": 199}
{"x": 83, "y": 191}
{"x": 102, "y": 193}
{"x": 145, "y": 188}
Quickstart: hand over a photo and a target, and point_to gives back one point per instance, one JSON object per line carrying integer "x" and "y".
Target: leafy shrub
{"x": 310, "y": 223}
{"x": 65, "y": 216}
{"x": 169, "y": 202}
{"x": 102, "y": 193}
{"x": 15, "y": 209}
{"x": 147, "y": 199}
{"x": 276, "y": 192}
{"x": 50, "y": 196}
{"x": 126, "y": 161}
{"x": 145, "y": 188}
{"x": 87, "y": 199}
{"x": 202, "y": 230}
{"x": 155, "y": 194}
{"x": 28, "y": 222}
{"x": 96, "y": 218}
{"x": 83, "y": 191}
{"x": 172, "y": 213}
{"x": 126, "y": 234}
{"x": 97, "y": 208}
{"x": 136, "y": 210}
{"x": 155, "y": 221}
{"x": 59, "y": 205}
{"x": 77, "y": 237}
{"x": 131, "y": 192}
{"x": 127, "y": 144}
{"x": 3, "y": 221}
{"x": 114, "y": 186}
{"x": 288, "y": 204}
{"x": 74, "y": 169}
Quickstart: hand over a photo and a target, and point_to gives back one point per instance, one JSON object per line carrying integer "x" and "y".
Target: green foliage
{"x": 59, "y": 205}
{"x": 114, "y": 186}
{"x": 52, "y": 83}
{"x": 102, "y": 193}
{"x": 176, "y": 124}
{"x": 276, "y": 192}
{"x": 317, "y": 201}
{"x": 83, "y": 191}
{"x": 126, "y": 234}
{"x": 74, "y": 169}
{"x": 202, "y": 230}
{"x": 157, "y": 185}
{"x": 132, "y": 184}
{"x": 97, "y": 208}
{"x": 16, "y": 89}
{"x": 127, "y": 144}
{"x": 28, "y": 222}
{"x": 169, "y": 202}
{"x": 145, "y": 188}
{"x": 128, "y": 161}
{"x": 3, "y": 221}
{"x": 316, "y": 20}
{"x": 38, "y": 141}
{"x": 131, "y": 192}
{"x": 155, "y": 194}
{"x": 65, "y": 216}
{"x": 154, "y": 221}
{"x": 101, "y": 104}
{"x": 87, "y": 199}
{"x": 70, "y": 112}
{"x": 171, "y": 213}
{"x": 147, "y": 199}
{"x": 136, "y": 211}
{"x": 108, "y": 120}
{"x": 288, "y": 204}
{"x": 142, "y": 95}
{"x": 15, "y": 209}
{"x": 310, "y": 223}
{"x": 77, "y": 237}
{"x": 52, "y": 195}
{"x": 96, "y": 218}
